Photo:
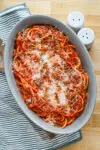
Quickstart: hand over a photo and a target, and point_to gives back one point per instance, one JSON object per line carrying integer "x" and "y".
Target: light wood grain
{"x": 60, "y": 9}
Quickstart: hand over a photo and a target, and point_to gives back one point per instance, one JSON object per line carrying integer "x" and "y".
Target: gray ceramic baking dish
{"x": 86, "y": 62}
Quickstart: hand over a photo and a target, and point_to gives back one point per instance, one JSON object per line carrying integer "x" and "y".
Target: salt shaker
{"x": 86, "y": 35}
{"x": 75, "y": 20}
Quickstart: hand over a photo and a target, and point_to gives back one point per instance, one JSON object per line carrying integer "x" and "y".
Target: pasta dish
{"x": 49, "y": 74}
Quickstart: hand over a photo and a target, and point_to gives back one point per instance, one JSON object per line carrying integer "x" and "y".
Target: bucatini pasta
{"x": 49, "y": 74}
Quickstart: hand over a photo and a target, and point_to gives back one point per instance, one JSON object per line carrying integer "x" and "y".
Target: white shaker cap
{"x": 86, "y": 35}
{"x": 75, "y": 20}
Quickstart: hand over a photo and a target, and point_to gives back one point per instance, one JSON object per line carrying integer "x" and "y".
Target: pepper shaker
{"x": 86, "y": 35}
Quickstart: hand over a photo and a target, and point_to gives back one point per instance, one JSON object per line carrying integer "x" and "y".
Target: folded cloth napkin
{"x": 17, "y": 132}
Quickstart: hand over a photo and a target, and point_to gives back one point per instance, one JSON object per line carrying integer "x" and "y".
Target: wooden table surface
{"x": 60, "y": 9}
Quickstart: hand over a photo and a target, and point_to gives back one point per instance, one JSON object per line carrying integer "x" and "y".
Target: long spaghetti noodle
{"x": 49, "y": 74}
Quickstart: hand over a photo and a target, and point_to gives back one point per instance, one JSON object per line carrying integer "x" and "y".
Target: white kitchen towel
{"x": 17, "y": 132}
